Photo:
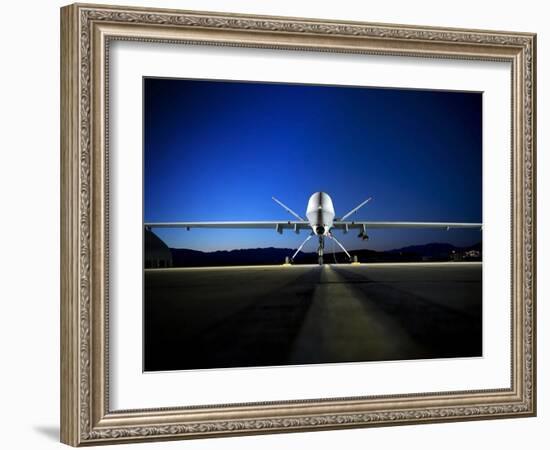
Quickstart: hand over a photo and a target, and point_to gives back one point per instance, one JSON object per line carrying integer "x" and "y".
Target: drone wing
{"x": 278, "y": 226}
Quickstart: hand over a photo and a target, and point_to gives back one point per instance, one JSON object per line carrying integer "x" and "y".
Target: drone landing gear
{"x": 289, "y": 261}
{"x": 321, "y": 250}
{"x": 341, "y": 246}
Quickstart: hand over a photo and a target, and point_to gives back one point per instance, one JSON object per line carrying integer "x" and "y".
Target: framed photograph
{"x": 275, "y": 224}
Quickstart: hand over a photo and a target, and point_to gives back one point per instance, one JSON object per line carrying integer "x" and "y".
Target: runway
{"x": 198, "y": 318}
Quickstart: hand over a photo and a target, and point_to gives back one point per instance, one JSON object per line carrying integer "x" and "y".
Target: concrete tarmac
{"x": 198, "y": 318}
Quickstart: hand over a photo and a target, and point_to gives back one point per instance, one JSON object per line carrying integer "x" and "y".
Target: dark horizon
{"x": 159, "y": 255}
{"x": 313, "y": 250}
{"x": 218, "y": 150}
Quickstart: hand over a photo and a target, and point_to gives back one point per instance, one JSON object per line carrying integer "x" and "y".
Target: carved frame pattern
{"x": 86, "y": 33}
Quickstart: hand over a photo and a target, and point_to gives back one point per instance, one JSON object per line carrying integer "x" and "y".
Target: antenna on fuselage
{"x": 354, "y": 210}
{"x": 287, "y": 209}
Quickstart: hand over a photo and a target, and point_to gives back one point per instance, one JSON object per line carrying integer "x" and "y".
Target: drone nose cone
{"x": 319, "y": 230}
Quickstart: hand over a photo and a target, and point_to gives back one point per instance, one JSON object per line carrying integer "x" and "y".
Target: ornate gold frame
{"x": 86, "y": 31}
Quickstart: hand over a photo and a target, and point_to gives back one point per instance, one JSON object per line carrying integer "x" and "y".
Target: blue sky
{"x": 219, "y": 150}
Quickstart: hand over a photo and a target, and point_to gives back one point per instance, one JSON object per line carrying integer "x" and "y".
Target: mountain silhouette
{"x": 434, "y": 251}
